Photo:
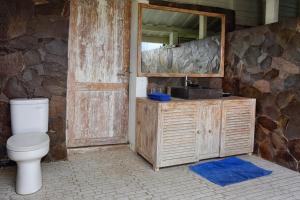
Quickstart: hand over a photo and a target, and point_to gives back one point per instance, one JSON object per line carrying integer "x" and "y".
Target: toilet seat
{"x": 28, "y": 142}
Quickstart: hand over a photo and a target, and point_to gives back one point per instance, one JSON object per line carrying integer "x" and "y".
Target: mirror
{"x": 176, "y": 42}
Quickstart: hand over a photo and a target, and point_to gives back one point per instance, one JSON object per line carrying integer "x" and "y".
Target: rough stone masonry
{"x": 264, "y": 63}
{"x": 34, "y": 63}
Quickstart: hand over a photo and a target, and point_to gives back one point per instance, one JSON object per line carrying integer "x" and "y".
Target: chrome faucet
{"x": 187, "y": 81}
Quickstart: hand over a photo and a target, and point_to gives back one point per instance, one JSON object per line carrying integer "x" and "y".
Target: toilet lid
{"x": 27, "y": 142}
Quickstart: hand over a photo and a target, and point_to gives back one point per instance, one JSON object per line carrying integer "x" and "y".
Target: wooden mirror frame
{"x": 142, "y": 6}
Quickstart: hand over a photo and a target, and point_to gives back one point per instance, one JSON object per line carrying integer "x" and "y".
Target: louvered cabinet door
{"x": 209, "y": 127}
{"x": 177, "y": 134}
{"x": 238, "y": 121}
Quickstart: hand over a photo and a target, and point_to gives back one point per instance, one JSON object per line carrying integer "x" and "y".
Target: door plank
{"x": 100, "y": 86}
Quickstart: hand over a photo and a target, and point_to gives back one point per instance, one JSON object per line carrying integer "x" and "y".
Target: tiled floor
{"x": 120, "y": 174}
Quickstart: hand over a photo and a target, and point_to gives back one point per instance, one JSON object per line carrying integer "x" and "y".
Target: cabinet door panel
{"x": 146, "y": 130}
{"x": 209, "y": 124}
{"x": 238, "y": 121}
{"x": 178, "y": 134}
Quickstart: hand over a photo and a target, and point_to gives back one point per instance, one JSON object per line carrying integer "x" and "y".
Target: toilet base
{"x": 29, "y": 171}
{"x": 29, "y": 177}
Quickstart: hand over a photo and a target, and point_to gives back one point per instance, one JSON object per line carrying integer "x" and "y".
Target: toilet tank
{"x": 29, "y": 115}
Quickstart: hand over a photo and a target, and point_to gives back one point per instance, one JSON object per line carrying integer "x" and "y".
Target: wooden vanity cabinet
{"x": 185, "y": 131}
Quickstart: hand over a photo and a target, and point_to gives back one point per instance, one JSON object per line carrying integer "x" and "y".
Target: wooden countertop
{"x": 177, "y": 100}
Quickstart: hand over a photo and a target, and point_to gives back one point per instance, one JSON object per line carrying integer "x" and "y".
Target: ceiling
{"x": 160, "y": 23}
{"x": 167, "y": 18}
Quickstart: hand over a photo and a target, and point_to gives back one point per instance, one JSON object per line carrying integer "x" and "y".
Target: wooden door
{"x": 209, "y": 127}
{"x": 97, "y": 96}
{"x": 238, "y": 123}
{"x": 177, "y": 143}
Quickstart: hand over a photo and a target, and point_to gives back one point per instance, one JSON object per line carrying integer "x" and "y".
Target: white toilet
{"x": 30, "y": 142}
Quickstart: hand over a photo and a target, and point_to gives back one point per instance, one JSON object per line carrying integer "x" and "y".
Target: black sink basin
{"x": 196, "y": 93}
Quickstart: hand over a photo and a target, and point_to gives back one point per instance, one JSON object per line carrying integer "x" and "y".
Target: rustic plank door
{"x": 209, "y": 127}
{"x": 97, "y": 107}
{"x": 238, "y": 124}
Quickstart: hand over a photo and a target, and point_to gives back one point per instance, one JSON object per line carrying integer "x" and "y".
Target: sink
{"x": 195, "y": 93}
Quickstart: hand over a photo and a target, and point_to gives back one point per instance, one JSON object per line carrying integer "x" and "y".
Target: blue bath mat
{"x": 228, "y": 171}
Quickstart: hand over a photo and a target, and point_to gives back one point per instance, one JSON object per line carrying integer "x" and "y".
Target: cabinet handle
{"x": 198, "y": 132}
{"x": 209, "y": 131}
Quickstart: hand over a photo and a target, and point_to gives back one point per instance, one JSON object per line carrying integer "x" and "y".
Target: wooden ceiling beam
{"x": 168, "y": 29}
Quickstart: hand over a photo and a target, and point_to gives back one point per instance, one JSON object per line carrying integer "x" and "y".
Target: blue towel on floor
{"x": 229, "y": 171}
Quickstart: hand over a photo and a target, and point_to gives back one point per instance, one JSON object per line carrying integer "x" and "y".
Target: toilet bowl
{"x": 29, "y": 142}
{"x": 27, "y": 151}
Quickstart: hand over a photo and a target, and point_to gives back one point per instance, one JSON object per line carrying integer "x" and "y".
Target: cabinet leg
{"x": 250, "y": 154}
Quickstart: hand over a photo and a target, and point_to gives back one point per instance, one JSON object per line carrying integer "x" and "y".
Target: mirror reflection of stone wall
{"x": 199, "y": 56}
{"x": 174, "y": 42}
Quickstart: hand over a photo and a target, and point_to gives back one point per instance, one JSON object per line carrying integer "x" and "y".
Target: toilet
{"x": 29, "y": 141}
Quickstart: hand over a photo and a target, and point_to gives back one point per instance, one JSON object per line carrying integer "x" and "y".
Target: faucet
{"x": 187, "y": 81}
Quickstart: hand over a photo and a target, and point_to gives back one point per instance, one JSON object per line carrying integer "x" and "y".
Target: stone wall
{"x": 198, "y": 56}
{"x": 264, "y": 63}
{"x": 33, "y": 63}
